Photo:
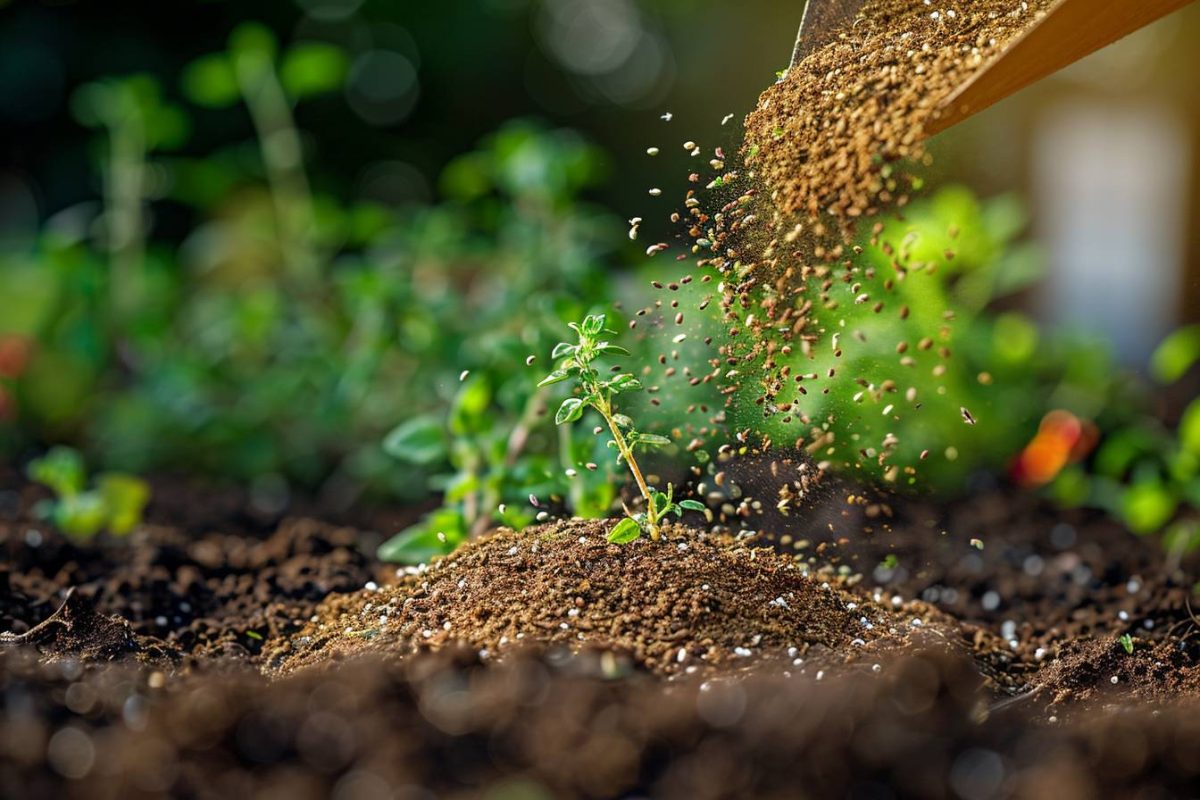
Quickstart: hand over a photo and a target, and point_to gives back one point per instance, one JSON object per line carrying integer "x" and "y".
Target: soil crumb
{"x": 692, "y": 603}
{"x": 823, "y": 140}
{"x": 77, "y": 629}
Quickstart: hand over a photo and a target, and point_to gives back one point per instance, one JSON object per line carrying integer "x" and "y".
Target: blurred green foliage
{"x": 954, "y": 349}
{"x": 1145, "y": 472}
{"x": 288, "y": 331}
{"x": 115, "y": 502}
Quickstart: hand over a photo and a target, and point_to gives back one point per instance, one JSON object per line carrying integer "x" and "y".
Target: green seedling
{"x": 493, "y": 469}
{"x": 596, "y": 392}
{"x": 114, "y": 503}
{"x": 1127, "y": 643}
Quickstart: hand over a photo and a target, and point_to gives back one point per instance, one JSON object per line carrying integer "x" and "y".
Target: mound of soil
{"x": 693, "y": 602}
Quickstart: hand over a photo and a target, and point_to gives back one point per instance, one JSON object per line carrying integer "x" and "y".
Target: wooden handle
{"x": 1068, "y": 32}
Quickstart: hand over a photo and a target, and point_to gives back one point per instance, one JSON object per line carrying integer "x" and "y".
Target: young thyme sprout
{"x": 598, "y": 393}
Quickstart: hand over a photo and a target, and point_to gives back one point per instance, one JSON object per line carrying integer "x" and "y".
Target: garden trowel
{"x": 1070, "y": 30}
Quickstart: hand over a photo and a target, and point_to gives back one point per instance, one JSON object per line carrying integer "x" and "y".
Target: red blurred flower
{"x": 1062, "y": 439}
{"x": 14, "y": 355}
{"x": 8, "y": 408}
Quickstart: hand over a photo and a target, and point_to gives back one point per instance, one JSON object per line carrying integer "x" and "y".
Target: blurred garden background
{"x": 305, "y": 246}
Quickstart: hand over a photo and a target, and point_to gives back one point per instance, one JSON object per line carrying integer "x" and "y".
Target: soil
{"x": 211, "y": 664}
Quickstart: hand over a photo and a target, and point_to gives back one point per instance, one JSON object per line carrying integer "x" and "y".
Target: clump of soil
{"x": 695, "y": 602}
{"x": 824, "y": 139}
{"x": 77, "y": 629}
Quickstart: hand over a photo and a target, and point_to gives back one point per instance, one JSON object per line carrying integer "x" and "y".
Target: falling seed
{"x": 667, "y": 116}
{"x": 462, "y": 376}
{"x": 726, "y": 118}
{"x": 529, "y": 360}
{"x": 652, "y": 151}
{"x": 533, "y": 501}
{"x": 977, "y": 544}
{"x": 966, "y": 415}
{"x": 655, "y": 192}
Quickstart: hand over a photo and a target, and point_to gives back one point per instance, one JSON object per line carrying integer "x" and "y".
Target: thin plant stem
{"x": 627, "y": 453}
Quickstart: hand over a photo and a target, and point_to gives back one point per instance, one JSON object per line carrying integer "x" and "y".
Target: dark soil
{"x": 216, "y": 665}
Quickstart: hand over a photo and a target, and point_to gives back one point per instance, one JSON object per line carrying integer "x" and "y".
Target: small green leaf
{"x": 625, "y": 531}
{"x": 312, "y": 68}
{"x": 469, "y": 412}
{"x": 1147, "y": 506}
{"x": 593, "y": 324}
{"x": 210, "y": 81}
{"x": 421, "y": 440}
{"x": 570, "y": 410}
{"x": 692, "y": 505}
{"x": 125, "y": 498}
{"x": 420, "y": 543}
{"x": 80, "y": 516}
{"x": 558, "y": 376}
{"x": 1189, "y": 428}
{"x": 652, "y": 440}
{"x": 625, "y": 383}
{"x": 1127, "y": 643}
{"x": 61, "y": 469}
{"x": 622, "y": 421}
{"x": 563, "y": 349}
{"x": 605, "y": 347}
{"x": 1175, "y": 356}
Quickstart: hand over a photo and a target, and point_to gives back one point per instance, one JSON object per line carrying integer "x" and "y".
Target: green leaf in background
{"x": 421, "y": 543}
{"x": 125, "y": 498}
{"x": 469, "y": 413}
{"x": 1173, "y": 358}
{"x": 61, "y": 469}
{"x": 210, "y": 81}
{"x": 312, "y": 68}
{"x": 420, "y": 440}
{"x": 625, "y": 531}
{"x": 652, "y": 440}
{"x": 692, "y": 505}
{"x": 80, "y": 516}
{"x": 1189, "y": 428}
{"x": 1147, "y": 506}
